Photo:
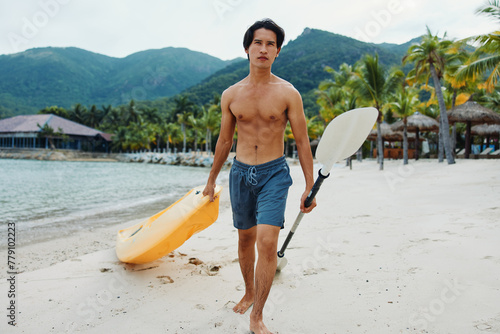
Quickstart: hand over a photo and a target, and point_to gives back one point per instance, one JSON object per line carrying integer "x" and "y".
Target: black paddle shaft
{"x": 315, "y": 188}
{"x": 307, "y": 203}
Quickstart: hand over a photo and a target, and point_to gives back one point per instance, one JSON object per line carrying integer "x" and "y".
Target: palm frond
{"x": 491, "y": 8}
{"x": 476, "y": 68}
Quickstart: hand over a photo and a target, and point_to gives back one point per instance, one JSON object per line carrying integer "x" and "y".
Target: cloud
{"x": 121, "y": 27}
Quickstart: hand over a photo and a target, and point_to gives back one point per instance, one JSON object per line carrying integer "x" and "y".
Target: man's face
{"x": 263, "y": 49}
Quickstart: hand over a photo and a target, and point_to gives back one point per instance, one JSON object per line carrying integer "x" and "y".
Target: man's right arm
{"x": 224, "y": 144}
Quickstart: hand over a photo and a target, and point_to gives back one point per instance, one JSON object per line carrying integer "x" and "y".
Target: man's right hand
{"x": 209, "y": 191}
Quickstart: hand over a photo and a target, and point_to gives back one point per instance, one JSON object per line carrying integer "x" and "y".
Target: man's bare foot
{"x": 244, "y": 304}
{"x": 257, "y": 326}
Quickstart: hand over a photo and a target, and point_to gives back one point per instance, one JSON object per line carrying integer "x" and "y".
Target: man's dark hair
{"x": 266, "y": 24}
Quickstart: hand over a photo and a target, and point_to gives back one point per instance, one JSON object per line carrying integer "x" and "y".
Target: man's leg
{"x": 267, "y": 246}
{"x": 246, "y": 255}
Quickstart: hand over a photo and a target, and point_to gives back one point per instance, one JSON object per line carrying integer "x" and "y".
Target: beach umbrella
{"x": 417, "y": 123}
{"x": 472, "y": 113}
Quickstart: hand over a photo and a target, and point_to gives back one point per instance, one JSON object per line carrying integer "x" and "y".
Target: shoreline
{"x": 56, "y": 155}
{"x": 411, "y": 249}
{"x": 193, "y": 159}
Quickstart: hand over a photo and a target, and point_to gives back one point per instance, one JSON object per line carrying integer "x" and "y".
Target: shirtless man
{"x": 260, "y": 105}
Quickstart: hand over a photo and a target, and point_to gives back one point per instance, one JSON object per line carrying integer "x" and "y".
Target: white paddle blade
{"x": 344, "y": 136}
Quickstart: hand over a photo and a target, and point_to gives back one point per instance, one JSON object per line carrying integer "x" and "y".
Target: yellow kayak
{"x": 167, "y": 230}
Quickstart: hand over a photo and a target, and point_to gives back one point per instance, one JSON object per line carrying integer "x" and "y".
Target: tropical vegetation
{"x": 486, "y": 57}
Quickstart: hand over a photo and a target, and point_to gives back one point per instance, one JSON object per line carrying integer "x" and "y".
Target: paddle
{"x": 341, "y": 139}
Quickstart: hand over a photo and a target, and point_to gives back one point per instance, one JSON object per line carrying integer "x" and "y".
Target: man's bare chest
{"x": 251, "y": 107}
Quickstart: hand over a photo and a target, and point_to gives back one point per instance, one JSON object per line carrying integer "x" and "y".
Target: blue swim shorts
{"x": 258, "y": 193}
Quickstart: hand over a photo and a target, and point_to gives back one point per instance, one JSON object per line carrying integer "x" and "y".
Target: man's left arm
{"x": 298, "y": 124}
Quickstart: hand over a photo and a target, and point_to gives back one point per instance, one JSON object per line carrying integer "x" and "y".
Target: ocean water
{"x": 50, "y": 199}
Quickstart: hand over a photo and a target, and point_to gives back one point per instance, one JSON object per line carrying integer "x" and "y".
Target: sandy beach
{"x": 411, "y": 249}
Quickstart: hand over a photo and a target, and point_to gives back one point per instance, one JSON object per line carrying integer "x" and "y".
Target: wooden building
{"x": 30, "y": 132}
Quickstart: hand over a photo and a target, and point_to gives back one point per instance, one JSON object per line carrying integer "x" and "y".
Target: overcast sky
{"x": 121, "y": 27}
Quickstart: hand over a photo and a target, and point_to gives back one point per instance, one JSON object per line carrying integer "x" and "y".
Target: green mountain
{"x": 37, "y": 78}
{"x": 302, "y": 62}
{"x": 34, "y": 79}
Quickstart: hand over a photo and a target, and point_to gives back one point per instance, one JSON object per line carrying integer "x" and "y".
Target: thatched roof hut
{"x": 486, "y": 129}
{"x": 472, "y": 113}
{"x": 417, "y": 123}
{"x": 387, "y": 133}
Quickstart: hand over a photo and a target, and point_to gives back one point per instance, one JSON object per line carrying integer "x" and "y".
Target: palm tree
{"x": 492, "y": 100}
{"x": 486, "y": 58}
{"x": 167, "y": 132}
{"x": 490, "y": 8}
{"x": 151, "y": 115}
{"x": 106, "y": 109}
{"x": 93, "y": 117}
{"x": 459, "y": 57}
{"x": 150, "y": 134}
{"x": 78, "y": 114}
{"x": 132, "y": 114}
{"x": 112, "y": 119}
{"x": 55, "y": 110}
{"x": 404, "y": 105}
{"x": 335, "y": 95}
{"x": 120, "y": 139}
{"x": 47, "y": 132}
{"x": 196, "y": 126}
{"x": 183, "y": 120}
{"x": 314, "y": 127}
{"x": 153, "y": 121}
{"x": 211, "y": 122}
{"x": 175, "y": 135}
{"x": 182, "y": 109}
{"x": 374, "y": 84}
{"x": 430, "y": 59}
{"x": 328, "y": 101}
{"x": 162, "y": 135}
{"x": 141, "y": 136}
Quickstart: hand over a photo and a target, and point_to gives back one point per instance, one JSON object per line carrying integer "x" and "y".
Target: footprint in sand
{"x": 165, "y": 279}
{"x": 195, "y": 261}
{"x": 142, "y": 267}
{"x": 204, "y": 269}
{"x": 210, "y": 270}
{"x": 492, "y": 258}
{"x": 413, "y": 270}
{"x": 483, "y": 327}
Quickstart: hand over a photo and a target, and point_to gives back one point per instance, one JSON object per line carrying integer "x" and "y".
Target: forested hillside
{"x": 64, "y": 77}
{"x": 37, "y": 78}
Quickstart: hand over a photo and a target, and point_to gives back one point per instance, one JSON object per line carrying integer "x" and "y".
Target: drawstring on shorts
{"x": 251, "y": 174}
